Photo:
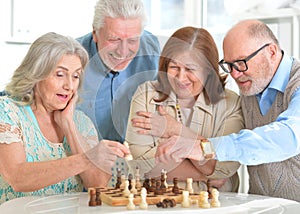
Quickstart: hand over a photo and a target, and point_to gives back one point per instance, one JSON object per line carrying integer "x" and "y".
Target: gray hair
{"x": 259, "y": 30}
{"x": 127, "y": 9}
{"x": 40, "y": 60}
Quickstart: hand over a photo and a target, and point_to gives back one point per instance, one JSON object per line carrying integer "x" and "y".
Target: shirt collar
{"x": 171, "y": 101}
{"x": 281, "y": 79}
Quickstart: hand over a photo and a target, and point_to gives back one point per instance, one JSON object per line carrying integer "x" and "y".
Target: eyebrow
{"x": 78, "y": 69}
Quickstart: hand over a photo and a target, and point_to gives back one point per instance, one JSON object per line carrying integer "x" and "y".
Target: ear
{"x": 273, "y": 49}
{"x": 95, "y": 35}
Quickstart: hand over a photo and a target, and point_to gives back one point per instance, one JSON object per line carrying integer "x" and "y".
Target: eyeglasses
{"x": 241, "y": 64}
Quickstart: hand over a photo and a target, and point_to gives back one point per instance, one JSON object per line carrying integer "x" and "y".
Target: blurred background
{"x": 22, "y": 21}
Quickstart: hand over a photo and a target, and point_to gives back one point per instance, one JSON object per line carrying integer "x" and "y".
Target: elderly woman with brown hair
{"x": 188, "y": 99}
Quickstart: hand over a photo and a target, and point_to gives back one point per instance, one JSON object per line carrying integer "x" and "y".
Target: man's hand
{"x": 159, "y": 125}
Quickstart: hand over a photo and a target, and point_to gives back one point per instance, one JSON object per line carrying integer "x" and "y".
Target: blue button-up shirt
{"x": 276, "y": 141}
{"x": 107, "y": 95}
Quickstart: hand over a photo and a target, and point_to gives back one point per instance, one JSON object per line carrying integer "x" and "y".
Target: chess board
{"x": 114, "y": 197}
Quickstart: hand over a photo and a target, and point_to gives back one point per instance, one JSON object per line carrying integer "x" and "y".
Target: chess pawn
{"x": 130, "y": 205}
{"x": 92, "y": 201}
{"x": 126, "y": 191}
{"x": 123, "y": 179}
{"x": 189, "y": 185}
{"x": 185, "y": 199}
{"x": 143, "y": 204}
{"x": 175, "y": 188}
{"x": 215, "y": 198}
{"x": 138, "y": 184}
{"x": 203, "y": 200}
{"x": 133, "y": 189}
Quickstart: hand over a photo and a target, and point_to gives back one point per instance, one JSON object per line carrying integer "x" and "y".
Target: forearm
{"x": 31, "y": 176}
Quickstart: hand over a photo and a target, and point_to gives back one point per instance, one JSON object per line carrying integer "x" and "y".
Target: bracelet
{"x": 208, "y": 149}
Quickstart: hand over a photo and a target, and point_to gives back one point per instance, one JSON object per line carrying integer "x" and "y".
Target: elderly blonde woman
{"x": 189, "y": 99}
{"x": 47, "y": 147}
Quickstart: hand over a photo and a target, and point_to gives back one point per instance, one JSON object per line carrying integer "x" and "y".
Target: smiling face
{"x": 118, "y": 41}
{"x": 55, "y": 92}
{"x": 186, "y": 76}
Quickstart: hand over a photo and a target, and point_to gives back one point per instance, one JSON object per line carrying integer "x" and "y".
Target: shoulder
{"x": 231, "y": 98}
{"x": 150, "y": 43}
{"x": 7, "y": 103}
{"x": 148, "y": 86}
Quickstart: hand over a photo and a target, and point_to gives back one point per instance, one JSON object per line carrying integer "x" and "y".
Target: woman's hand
{"x": 161, "y": 125}
{"x": 64, "y": 117}
{"x": 105, "y": 154}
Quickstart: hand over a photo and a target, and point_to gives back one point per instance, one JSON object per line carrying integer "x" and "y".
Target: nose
{"x": 235, "y": 73}
{"x": 123, "y": 49}
{"x": 181, "y": 75}
{"x": 68, "y": 84}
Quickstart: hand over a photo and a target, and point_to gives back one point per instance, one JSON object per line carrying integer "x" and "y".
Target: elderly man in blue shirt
{"x": 268, "y": 80}
{"x": 122, "y": 56}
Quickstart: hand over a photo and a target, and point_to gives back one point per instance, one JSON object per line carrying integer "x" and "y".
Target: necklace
{"x": 179, "y": 116}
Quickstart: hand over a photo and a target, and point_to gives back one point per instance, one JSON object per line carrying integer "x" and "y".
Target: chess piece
{"x": 130, "y": 177}
{"x": 215, "y": 198}
{"x": 153, "y": 185}
{"x": 203, "y": 200}
{"x": 162, "y": 183}
{"x": 138, "y": 184}
{"x": 185, "y": 199}
{"x": 118, "y": 183}
{"x": 127, "y": 157}
{"x": 92, "y": 201}
{"x": 98, "y": 198}
{"x": 158, "y": 191}
{"x": 146, "y": 182}
{"x": 189, "y": 185}
{"x": 165, "y": 176}
{"x": 175, "y": 188}
{"x": 123, "y": 179}
{"x": 143, "y": 204}
{"x": 126, "y": 191}
{"x": 133, "y": 190}
{"x": 130, "y": 205}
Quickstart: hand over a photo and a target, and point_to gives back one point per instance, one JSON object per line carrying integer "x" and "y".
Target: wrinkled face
{"x": 118, "y": 41}
{"x": 186, "y": 75}
{"x": 55, "y": 92}
{"x": 260, "y": 68}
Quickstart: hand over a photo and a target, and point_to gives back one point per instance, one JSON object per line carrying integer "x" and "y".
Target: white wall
{"x": 33, "y": 18}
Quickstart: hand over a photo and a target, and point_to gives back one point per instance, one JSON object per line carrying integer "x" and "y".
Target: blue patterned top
{"x": 37, "y": 147}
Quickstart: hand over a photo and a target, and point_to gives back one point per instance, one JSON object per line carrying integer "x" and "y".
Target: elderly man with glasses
{"x": 268, "y": 80}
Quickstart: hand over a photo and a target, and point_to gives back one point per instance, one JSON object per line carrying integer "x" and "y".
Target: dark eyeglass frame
{"x": 232, "y": 64}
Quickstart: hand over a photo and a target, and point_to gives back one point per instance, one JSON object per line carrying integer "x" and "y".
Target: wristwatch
{"x": 208, "y": 149}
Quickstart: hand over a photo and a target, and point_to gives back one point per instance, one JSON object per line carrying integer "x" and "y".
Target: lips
{"x": 62, "y": 97}
{"x": 183, "y": 85}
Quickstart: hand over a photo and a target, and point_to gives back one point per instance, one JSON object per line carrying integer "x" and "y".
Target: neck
{"x": 186, "y": 102}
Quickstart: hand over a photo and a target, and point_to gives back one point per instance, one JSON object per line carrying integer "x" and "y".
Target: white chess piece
{"x": 123, "y": 179}
{"x": 138, "y": 184}
{"x": 215, "y": 198}
{"x": 130, "y": 205}
{"x": 165, "y": 176}
{"x": 133, "y": 189}
{"x": 143, "y": 204}
{"x": 185, "y": 199}
{"x": 126, "y": 191}
{"x": 127, "y": 157}
{"x": 189, "y": 185}
{"x": 203, "y": 200}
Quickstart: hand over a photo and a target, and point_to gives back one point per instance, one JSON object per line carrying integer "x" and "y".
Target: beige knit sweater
{"x": 279, "y": 179}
